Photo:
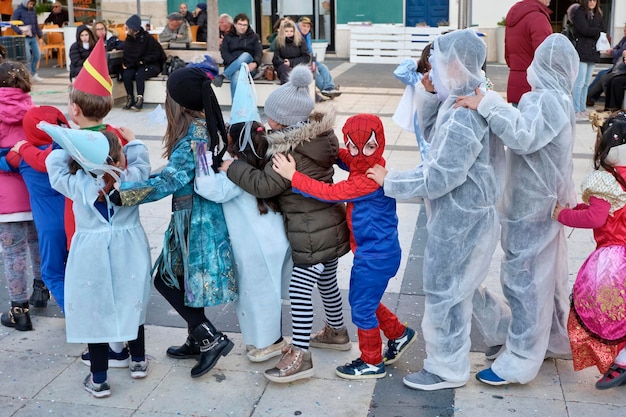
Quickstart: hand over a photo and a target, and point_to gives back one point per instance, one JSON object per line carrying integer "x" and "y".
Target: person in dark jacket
{"x": 598, "y": 85}
{"x": 240, "y": 45}
{"x": 187, "y": 15}
{"x": 143, "y": 58}
{"x": 587, "y": 22}
{"x": 80, "y": 50}
{"x": 201, "y": 21}
{"x": 30, "y": 29}
{"x": 291, "y": 50}
{"x": 58, "y": 16}
{"x": 527, "y": 25}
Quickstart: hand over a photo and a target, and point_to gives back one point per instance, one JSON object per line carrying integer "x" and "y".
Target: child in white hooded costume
{"x": 257, "y": 233}
{"x": 539, "y": 136}
{"x": 460, "y": 187}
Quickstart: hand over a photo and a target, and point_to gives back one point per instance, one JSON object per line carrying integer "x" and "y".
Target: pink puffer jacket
{"x": 13, "y": 193}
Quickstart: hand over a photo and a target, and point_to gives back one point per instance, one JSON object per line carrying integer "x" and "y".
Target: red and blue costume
{"x": 47, "y": 204}
{"x": 373, "y": 225}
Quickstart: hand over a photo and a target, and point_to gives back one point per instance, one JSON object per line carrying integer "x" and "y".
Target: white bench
{"x": 389, "y": 44}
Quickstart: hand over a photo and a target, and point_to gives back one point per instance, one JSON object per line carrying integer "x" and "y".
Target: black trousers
{"x": 99, "y": 352}
{"x": 194, "y": 316}
{"x": 139, "y": 75}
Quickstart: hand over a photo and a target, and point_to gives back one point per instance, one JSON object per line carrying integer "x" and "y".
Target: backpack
{"x": 172, "y": 64}
{"x": 568, "y": 32}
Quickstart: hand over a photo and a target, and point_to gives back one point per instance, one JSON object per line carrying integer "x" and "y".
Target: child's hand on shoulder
{"x": 127, "y": 134}
{"x": 470, "y": 102}
{"x": 284, "y": 165}
{"x": 557, "y": 210}
{"x": 377, "y": 173}
{"x": 226, "y": 164}
{"x": 17, "y": 146}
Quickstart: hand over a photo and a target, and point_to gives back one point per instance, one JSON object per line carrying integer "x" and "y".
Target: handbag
{"x": 269, "y": 74}
{"x": 602, "y": 44}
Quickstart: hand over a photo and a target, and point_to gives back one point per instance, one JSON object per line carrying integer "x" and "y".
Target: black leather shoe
{"x": 40, "y": 295}
{"x": 189, "y": 349}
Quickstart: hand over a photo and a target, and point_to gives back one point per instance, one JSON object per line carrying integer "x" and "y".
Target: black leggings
{"x": 99, "y": 352}
{"x": 194, "y": 316}
{"x": 139, "y": 75}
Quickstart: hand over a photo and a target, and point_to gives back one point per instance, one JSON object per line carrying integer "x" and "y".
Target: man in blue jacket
{"x": 26, "y": 13}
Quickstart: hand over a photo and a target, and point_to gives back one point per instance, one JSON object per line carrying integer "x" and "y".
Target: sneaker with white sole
{"x": 116, "y": 360}
{"x": 37, "y": 78}
{"x": 425, "y": 381}
{"x": 138, "y": 370}
{"x": 261, "y": 355}
{"x": 97, "y": 390}
{"x": 330, "y": 338}
{"x": 487, "y": 376}
{"x": 359, "y": 369}
{"x": 492, "y": 352}
{"x": 295, "y": 364}
{"x": 396, "y": 347}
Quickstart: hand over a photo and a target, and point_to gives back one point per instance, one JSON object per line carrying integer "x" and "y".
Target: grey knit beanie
{"x": 291, "y": 102}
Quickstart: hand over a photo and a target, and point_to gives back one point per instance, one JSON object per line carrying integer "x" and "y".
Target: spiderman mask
{"x": 364, "y": 137}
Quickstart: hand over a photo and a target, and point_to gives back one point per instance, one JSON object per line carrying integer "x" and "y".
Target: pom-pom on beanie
{"x": 292, "y": 102}
{"x": 134, "y": 22}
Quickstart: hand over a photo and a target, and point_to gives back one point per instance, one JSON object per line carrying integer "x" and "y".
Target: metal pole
{"x": 70, "y": 12}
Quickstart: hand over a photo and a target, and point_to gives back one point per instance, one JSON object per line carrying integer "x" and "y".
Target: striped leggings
{"x": 303, "y": 279}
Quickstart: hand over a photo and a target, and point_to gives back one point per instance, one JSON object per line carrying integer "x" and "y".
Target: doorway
{"x": 321, "y": 13}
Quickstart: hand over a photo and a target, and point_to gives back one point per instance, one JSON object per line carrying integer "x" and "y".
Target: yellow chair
{"x": 121, "y": 32}
{"x": 194, "y": 33}
{"x": 53, "y": 41}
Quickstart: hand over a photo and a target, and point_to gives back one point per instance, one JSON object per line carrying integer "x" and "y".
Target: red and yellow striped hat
{"x": 94, "y": 77}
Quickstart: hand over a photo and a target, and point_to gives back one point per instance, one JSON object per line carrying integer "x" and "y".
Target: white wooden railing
{"x": 389, "y": 44}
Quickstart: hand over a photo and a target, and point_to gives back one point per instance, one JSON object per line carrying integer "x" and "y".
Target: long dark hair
{"x": 596, "y": 10}
{"x": 611, "y": 134}
{"x": 253, "y": 154}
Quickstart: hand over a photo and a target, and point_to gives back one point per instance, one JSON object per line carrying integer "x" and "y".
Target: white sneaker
{"x": 37, "y": 78}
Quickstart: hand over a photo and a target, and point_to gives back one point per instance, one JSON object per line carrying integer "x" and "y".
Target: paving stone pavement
{"x": 41, "y": 374}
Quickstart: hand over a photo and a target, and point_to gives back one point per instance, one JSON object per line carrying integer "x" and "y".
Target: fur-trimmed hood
{"x": 286, "y": 140}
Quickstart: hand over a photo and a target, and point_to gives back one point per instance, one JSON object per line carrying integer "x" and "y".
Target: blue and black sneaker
{"x": 396, "y": 347}
{"x": 361, "y": 370}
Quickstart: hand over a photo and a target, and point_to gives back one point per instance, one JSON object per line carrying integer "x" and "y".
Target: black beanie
{"x": 134, "y": 23}
{"x": 191, "y": 88}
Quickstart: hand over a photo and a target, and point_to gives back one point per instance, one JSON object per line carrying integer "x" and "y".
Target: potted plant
{"x": 42, "y": 10}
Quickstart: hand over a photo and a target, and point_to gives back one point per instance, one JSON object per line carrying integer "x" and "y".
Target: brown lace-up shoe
{"x": 329, "y": 338}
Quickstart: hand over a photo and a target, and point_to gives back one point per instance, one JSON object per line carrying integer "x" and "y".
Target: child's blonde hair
{"x": 15, "y": 75}
{"x": 93, "y": 107}
{"x": 281, "y": 39}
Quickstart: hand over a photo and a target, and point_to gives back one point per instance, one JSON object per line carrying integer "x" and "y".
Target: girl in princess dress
{"x": 597, "y": 320}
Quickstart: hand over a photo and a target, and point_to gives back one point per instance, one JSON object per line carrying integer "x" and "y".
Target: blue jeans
{"x": 32, "y": 53}
{"x": 323, "y": 79}
{"x": 581, "y": 85}
{"x": 232, "y": 71}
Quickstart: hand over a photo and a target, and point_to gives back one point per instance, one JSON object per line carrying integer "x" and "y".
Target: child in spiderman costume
{"x": 28, "y": 157}
{"x": 373, "y": 225}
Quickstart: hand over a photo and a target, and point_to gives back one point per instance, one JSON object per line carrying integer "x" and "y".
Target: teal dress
{"x": 196, "y": 244}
